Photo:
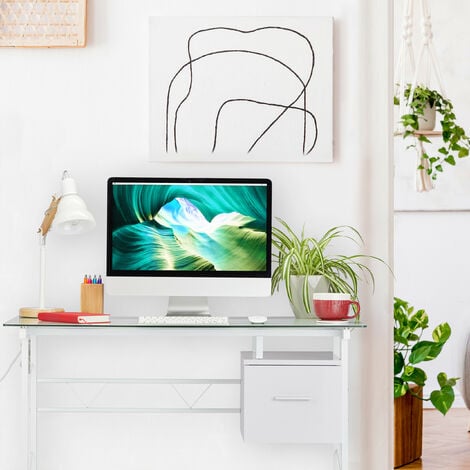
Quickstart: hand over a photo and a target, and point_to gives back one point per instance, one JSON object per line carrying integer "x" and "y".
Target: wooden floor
{"x": 446, "y": 441}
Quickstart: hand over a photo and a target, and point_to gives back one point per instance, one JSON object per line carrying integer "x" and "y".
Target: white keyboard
{"x": 184, "y": 320}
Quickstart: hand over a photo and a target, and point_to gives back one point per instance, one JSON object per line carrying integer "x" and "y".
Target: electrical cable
{"x": 12, "y": 363}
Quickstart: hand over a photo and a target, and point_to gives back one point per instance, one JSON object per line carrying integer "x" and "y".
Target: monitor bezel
{"x": 110, "y": 272}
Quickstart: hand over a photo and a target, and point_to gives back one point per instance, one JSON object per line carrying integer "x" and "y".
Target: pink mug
{"x": 334, "y": 306}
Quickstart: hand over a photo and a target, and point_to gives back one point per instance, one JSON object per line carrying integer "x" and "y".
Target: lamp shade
{"x": 72, "y": 216}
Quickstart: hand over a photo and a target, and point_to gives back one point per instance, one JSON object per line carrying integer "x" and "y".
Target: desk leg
{"x": 258, "y": 347}
{"x": 345, "y": 399}
{"x": 28, "y": 380}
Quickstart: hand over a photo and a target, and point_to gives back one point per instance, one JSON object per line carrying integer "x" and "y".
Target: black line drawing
{"x": 286, "y": 107}
{"x": 297, "y": 103}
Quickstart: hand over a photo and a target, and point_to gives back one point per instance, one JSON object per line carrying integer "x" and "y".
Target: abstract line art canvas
{"x": 241, "y": 89}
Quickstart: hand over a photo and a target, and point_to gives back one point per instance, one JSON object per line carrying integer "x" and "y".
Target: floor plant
{"x": 411, "y": 351}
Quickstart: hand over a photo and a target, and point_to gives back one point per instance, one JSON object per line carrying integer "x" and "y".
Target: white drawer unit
{"x": 291, "y": 398}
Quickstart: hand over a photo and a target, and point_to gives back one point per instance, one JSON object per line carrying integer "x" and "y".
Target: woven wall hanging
{"x": 42, "y": 23}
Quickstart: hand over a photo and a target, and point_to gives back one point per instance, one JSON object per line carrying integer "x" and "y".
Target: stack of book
{"x": 73, "y": 317}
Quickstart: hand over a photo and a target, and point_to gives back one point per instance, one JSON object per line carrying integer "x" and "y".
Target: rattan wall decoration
{"x": 42, "y": 23}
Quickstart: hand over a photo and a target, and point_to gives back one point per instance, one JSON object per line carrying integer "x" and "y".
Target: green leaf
{"x": 443, "y": 380}
{"x": 425, "y": 351}
{"x": 306, "y": 295}
{"x": 423, "y": 138}
{"x": 398, "y": 362}
{"x": 463, "y": 152}
{"x": 452, "y": 381}
{"x": 398, "y": 338}
{"x": 419, "y": 320}
{"x": 414, "y": 375}
{"x": 413, "y": 337}
{"x": 399, "y": 387}
{"x": 407, "y": 134}
{"x": 450, "y": 160}
{"x": 420, "y": 352}
{"x": 441, "y": 333}
{"x": 443, "y": 399}
{"x": 410, "y": 120}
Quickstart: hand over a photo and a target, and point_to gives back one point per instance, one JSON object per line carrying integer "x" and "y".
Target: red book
{"x": 73, "y": 317}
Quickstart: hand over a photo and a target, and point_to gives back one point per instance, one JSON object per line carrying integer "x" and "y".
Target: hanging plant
{"x": 456, "y": 144}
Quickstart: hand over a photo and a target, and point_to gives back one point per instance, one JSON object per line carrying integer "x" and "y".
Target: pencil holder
{"x": 91, "y": 298}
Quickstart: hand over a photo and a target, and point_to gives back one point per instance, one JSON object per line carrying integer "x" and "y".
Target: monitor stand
{"x": 188, "y": 306}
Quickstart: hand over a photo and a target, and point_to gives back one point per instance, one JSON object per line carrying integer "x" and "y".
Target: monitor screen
{"x": 178, "y": 228}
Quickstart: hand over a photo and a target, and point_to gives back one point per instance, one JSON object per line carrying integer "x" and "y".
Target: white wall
{"x": 431, "y": 248}
{"x": 86, "y": 110}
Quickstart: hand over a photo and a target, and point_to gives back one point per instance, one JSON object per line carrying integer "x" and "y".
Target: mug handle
{"x": 354, "y": 302}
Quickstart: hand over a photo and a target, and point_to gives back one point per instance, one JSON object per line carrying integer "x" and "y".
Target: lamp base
{"x": 32, "y": 312}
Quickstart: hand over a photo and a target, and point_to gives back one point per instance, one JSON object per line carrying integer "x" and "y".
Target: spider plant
{"x": 306, "y": 256}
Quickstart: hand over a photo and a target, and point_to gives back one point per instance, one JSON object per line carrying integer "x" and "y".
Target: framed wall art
{"x": 241, "y": 89}
{"x": 42, "y": 23}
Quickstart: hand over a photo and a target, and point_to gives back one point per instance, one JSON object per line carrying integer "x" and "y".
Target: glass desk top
{"x": 237, "y": 322}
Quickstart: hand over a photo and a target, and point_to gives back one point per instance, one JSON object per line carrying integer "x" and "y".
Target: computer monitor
{"x": 189, "y": 239}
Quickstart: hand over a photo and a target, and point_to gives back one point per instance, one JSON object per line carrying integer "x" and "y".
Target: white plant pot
{"x": 315, "y": 284}
{"x": 427, "y": 122}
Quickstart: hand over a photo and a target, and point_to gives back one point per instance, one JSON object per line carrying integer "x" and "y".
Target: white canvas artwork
{"x": 241, "y": 89}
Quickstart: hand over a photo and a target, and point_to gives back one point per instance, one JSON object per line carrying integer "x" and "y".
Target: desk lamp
{"x": 66, "y": 215}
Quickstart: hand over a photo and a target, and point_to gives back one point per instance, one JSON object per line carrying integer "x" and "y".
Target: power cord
{"x": 12, "y": 363}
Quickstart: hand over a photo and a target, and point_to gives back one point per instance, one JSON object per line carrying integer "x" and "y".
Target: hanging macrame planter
{"x": 406, "y": 67}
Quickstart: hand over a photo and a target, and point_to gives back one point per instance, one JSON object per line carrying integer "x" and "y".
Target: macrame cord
{"x": 426, "y": 63}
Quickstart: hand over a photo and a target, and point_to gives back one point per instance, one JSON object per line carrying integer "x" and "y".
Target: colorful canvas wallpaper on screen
{"x": 189, "y": 227}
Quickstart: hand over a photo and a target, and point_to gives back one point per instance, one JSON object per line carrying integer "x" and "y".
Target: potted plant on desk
{"x": 409, "y": 350}
{"x": 304, "y": 265}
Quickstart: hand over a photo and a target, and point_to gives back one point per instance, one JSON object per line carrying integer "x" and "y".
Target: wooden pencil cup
{"x": 91, "y": 298}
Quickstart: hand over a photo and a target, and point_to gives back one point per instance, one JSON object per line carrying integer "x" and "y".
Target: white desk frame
{"x": 30, "y": 379}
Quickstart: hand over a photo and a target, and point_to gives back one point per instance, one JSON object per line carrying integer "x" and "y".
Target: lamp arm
{"x": 42, "y": 272}
{"x": 49, "y": 217}
{"x": 43, "y": 230}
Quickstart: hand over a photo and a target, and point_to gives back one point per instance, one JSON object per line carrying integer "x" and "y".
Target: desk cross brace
{"x": 189, "y": 405}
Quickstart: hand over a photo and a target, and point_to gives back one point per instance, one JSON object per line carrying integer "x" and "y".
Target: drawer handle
{"x": 292, "y": 398}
